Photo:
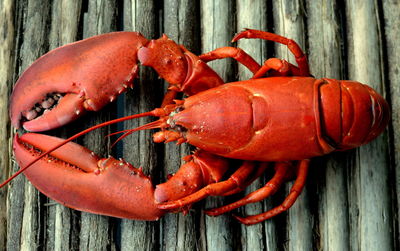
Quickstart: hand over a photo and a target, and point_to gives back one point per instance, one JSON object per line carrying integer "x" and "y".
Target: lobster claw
{"x": 77, "y": 178}
{"x": 85, "y": 75}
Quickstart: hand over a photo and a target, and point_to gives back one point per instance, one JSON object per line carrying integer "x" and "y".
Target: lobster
{"x": 279, "y": 119}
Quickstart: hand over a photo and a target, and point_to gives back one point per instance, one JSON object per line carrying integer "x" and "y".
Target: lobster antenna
{"x": 151, "y": 125}
{"x": 156, "y": 113}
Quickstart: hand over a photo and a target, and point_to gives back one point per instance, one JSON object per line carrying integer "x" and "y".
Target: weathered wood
{"x": 59, "y": 219}
{"x": 246, "y": 10}
{"x": 326, "y": 60}
{"x": 138, "y": 148}
{"x": 351, "y": 201}
{"x": 289, "y": 21}
{"x": 24, "y": 229}
{"x": 391, "y": 13}
{"x": 217, "y": 29}
{"x": 100, "y": 18}
{"x": 368, "y": 178}
{"x": 6, "y": 71}
{"x": 179, "y": 232}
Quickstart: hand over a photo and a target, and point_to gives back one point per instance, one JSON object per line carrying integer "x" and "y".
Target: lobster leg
{"x": 260, "y": 170}
{"x": 231, "y": 52}
{"x": 299, "y": 55}
{"x": 287, "y": 203}
{"x": 270, "y": 188}
{"x": 279, "y": 65}
{"x": 201, "y": 169}
{"x": 237, "y": 180}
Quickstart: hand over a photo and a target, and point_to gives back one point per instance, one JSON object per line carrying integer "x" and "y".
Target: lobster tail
{"x": 367, "y": 112}
{"x": 353, "y": 114}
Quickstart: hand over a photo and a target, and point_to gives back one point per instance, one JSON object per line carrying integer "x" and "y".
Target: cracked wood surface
{"x": 351, "y": 201}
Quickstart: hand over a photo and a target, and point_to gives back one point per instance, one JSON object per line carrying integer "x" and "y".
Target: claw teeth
{"x": 89, "y": 105}
{"x": 121, "y": 90}
{"x": 47, "y": 158}
{"x": 48, "y": 103}
{"x": 30, "y": 114}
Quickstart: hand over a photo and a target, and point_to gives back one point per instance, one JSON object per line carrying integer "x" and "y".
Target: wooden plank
{"x": 24, "y": 214}
{"x": 391, "y": 13}
{"x": 7, "y": 41}
{"x": 178, "y": 231}
{"x": 100, "y": 18}
{"x": 326, "y": 60}
{"x": 138, "y": 148}
{"x": 368, "y": 179}
{"x": 217, "y": 29}
{"x": 58, "y": 220}
{"x": 254, "y": 238}
{"x": 350, "y": 200}
{"x": 289, "y": 22}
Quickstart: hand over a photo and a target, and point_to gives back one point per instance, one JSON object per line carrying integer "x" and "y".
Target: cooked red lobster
{"x": 278, "y": 119}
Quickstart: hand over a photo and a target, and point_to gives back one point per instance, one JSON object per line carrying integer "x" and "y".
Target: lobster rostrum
{"x": 279, "y": 119}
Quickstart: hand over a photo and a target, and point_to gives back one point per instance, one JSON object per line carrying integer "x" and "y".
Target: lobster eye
{"x": 179, "y": 128}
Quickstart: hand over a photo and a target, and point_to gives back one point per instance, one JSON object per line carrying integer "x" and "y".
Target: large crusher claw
{"x": 64, "y": 83}
{"x": 86, "y": 75}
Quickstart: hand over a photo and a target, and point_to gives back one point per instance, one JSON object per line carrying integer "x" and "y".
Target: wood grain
{"x": 368, "y": 220}
{"x": 351, "y": 201}
{"x": 216, "y": 18}
{"x": 390, "y": 36}
{"x": 326, "y": 60}
{"x": 7, "y": 58}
